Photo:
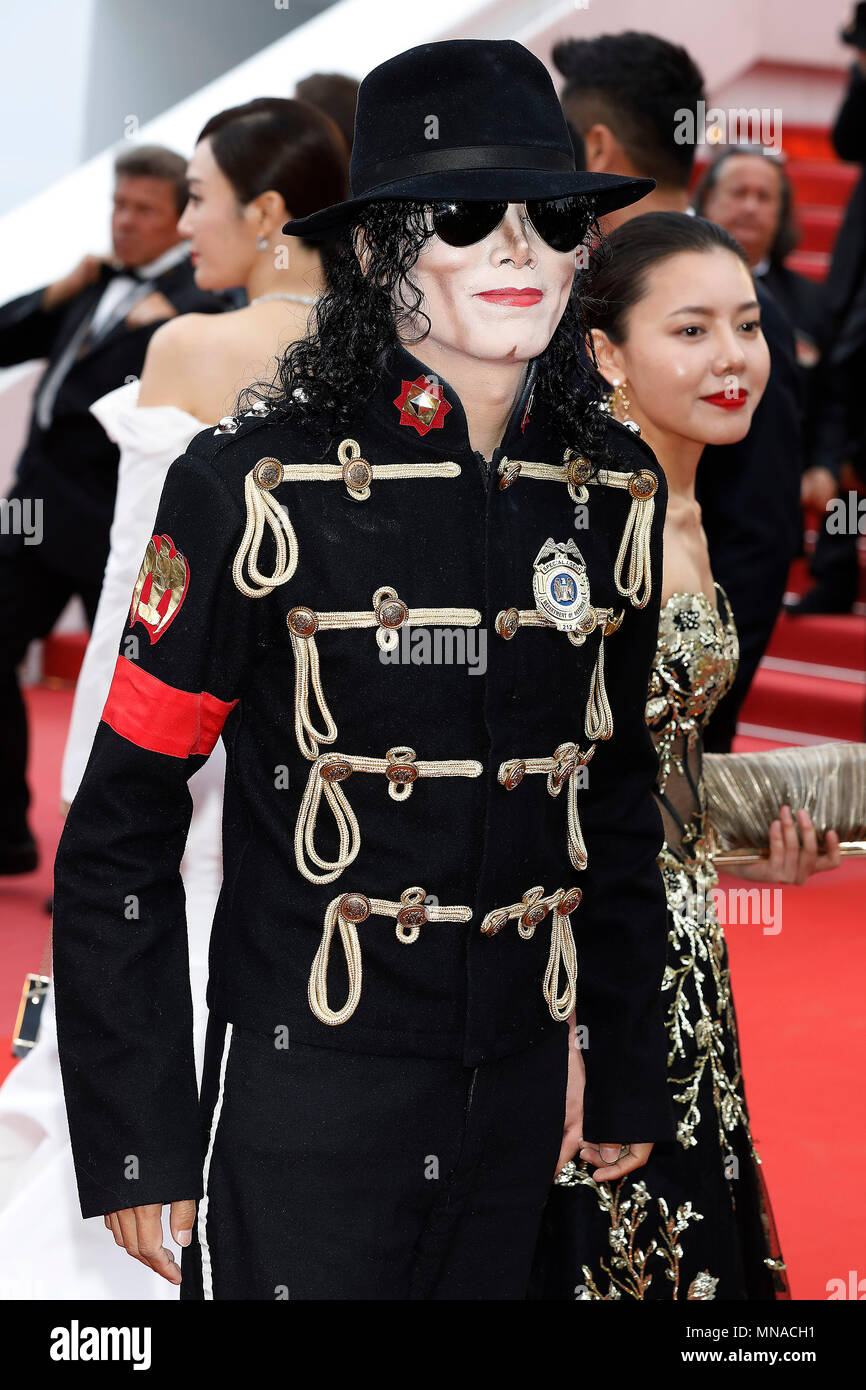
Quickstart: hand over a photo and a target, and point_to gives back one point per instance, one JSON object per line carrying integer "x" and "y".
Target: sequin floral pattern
{"x": 695, "y": 663}
{"x": 694, "y": 666}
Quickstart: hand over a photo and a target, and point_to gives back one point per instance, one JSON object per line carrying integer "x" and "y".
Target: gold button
{"x": 302, "y": 621}
{"x": 357, "y": 473}
{"x": 268, "y": 473}
{"x": 569, "y": 901}
{"x": 412, "y": 916}
{"x": 642, "y": 483}
{"x": 401, "y": 772}
{"x": 534, "y": 916}
{"x": 337, "y": 770}
{"x": 392, "y": 612}
{"x": 355, "y": 907}
{"x": 589, "y": 622}
{"x": 579, "y": 470}
{"x": 507, "y": 622}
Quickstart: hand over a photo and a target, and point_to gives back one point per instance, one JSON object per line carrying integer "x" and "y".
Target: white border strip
{"x": 206, "y": 1270}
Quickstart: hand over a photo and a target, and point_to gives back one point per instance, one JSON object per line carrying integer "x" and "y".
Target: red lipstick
{"x": 522, "y": 298}
{"x": 727, "y": 402}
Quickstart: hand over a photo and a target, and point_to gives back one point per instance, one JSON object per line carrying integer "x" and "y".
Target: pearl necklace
{"x": 296, "y": 298}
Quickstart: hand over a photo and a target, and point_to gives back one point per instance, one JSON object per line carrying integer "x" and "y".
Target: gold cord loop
{"x": 346, "y": 911}
{"x": 262, "y": 509}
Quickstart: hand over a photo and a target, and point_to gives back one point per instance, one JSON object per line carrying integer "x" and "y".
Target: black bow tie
{"x": 110, "y": 272}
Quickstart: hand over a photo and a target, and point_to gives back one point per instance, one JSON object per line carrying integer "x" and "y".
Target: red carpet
{"x": 799, "y": 1001}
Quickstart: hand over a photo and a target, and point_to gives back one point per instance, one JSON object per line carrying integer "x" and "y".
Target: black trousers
{"x": 338, "y": 1175}
{"x": 32, "y": 597}
{"x": 834, "y": 564}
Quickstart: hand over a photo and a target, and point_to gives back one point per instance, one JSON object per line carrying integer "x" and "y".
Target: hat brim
{"x": 609, "y": 191}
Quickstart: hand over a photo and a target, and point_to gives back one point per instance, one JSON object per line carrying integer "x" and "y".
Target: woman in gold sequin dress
{"x": 676, "y": 332}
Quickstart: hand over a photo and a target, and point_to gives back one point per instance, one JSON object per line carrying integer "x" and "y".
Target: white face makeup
{"x": 499, "y": 299}
{"x": 695, "y": 359}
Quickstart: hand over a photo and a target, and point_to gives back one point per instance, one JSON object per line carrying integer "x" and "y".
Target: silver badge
{"x": 560, "y": 584}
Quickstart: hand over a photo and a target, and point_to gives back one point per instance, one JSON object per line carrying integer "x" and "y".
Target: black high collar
{"x": 451, "y": 436}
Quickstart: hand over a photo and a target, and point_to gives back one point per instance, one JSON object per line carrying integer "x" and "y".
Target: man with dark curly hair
{"x": 622, "y": 94}
{"x": 415, "y": 588}
{"x": 625, "y": 94}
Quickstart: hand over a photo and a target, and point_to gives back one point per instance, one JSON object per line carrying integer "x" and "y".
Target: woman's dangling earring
{"x": 261, "y": 243}
{"x": 617, "y": 401}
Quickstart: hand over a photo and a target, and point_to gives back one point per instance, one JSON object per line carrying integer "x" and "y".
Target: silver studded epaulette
{"x": 229, "y": 423}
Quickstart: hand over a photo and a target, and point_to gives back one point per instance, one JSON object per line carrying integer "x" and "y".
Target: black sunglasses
{"x": 561, "y": 222}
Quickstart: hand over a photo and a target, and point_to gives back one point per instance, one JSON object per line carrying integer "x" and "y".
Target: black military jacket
{"x": 360, "y": 786}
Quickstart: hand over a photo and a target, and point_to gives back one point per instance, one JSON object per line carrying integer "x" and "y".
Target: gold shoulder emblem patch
{"x": 160, "y": 588}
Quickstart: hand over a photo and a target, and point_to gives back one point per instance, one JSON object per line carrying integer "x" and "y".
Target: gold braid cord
{"x": 508, "y": 621}
{"x": 642, "y": 486}
{"x": 533, "y": 908}
{"x": 598, "y": 719}
{"x": 346, "y": 911}
{"x": 560, "y": 770}
{"x": 262, "y": 509}
{"x": 401, "y": 769}
{"x": 388, "y": 614}
{"x": 306, "y": 674}
{"x": 575, "y": 471}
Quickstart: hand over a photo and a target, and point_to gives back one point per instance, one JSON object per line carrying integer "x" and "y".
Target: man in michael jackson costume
{"x": 415, "y": 588}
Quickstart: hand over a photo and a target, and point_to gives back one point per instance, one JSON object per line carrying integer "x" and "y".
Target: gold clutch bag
{"x": 745, "y": 791}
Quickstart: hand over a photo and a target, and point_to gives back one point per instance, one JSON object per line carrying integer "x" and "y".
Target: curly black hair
{"x": 356, "y": 321}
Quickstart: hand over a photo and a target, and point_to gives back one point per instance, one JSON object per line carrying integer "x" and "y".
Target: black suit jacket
{"x": 750, "y": 501}
{"x": 443, "y": 536}
{"x": 72, "y": 465}
{"x": 836, "y": 432}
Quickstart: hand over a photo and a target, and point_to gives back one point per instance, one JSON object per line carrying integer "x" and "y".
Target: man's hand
{"x": 84, "y": 274}
{"x": 818, "y": 487}
{"x": 139, "y": 1231}
{"x": 572, "y": 1133}
{"x": 608, "y": 1167}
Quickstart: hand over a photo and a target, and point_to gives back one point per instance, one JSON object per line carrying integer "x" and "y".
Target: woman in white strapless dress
{"x": 194, "y": 368}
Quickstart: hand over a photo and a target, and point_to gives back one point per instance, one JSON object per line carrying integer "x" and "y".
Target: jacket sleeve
{"x": 188, "y": 648}
{"x": 849, "y": 131}
{"x": 621, "y": 924}
{"x": 27, "y": 331}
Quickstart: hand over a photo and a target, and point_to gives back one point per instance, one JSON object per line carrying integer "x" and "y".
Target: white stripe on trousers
{"x": 206, "y": 1273}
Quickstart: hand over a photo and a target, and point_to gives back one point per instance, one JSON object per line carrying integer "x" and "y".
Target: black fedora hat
{"x": 855, "y": 34}
{"x": 465, "y": 118}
